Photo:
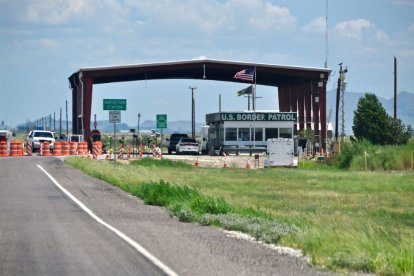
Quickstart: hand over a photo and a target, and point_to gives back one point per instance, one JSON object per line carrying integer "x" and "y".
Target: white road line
{"x": 130, "y": 241}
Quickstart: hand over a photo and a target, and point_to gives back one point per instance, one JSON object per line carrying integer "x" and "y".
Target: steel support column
{"x": 315, "y": 109}
{"x": 74, "y": 109}
{"x": 87, "y": 107}
{"x": 294, "y": 105}
{"x": 308, "y": 105}
{"x": 280, "y": 93}
{"x": 322, "y": 99}
{"x": 301, "y": 107}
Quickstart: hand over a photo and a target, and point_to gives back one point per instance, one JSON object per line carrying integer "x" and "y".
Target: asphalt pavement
{"x": 44, "y": 231}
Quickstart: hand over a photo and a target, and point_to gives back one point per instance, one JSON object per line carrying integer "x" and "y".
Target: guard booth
{"x": 247, "y": 131}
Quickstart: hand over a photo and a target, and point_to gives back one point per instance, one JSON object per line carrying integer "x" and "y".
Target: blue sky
{"x": 42, "y": 42}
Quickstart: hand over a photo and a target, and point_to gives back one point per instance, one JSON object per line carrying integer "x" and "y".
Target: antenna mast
{"x": 326, "y": 34}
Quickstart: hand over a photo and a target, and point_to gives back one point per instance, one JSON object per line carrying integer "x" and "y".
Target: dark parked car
{"x": 174, "y": 138}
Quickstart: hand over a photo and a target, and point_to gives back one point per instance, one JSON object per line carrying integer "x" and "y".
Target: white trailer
{"x": 280, "y": 152}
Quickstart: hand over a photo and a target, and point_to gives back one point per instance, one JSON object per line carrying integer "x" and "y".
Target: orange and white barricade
{"x": 140, "y": 150}
{"x": 95, "y": 151}
{"x": 129, "y": 151}
{"x": 29, "y": 149}
{"x": 120, "y": 151}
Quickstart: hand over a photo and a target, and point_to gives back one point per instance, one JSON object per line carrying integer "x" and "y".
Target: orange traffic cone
{"x": 225, "y": 163}
{"x": 196, "y": 163}
{"x": 248, "y": 164}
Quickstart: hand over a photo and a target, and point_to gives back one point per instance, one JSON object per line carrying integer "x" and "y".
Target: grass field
{"x": 343, "y": 220}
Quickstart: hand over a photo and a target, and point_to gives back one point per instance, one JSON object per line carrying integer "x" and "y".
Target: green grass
{"x": 359, "y": 156}
{"x": 343, "y": 220}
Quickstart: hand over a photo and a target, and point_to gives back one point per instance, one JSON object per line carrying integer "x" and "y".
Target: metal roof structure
{"x": 292, "y": 82}
{"x": 210, "y": 69}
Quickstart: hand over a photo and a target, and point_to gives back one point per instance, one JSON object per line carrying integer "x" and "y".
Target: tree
{"x": 398, "y": 132}
{"x": 371, "y": 122}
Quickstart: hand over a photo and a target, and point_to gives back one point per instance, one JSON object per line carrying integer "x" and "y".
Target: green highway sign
{"x": 114, "y": 104}
{"x": 161, "y": 120}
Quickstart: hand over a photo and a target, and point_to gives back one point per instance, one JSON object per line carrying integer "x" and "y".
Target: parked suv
{"x": 39, "y": 136}
{"x": 174, "y": 138}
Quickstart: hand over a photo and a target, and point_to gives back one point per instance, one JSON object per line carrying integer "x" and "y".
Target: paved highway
{"x": 57, "y": 221}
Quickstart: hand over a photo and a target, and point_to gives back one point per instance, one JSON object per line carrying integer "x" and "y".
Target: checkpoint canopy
{"x": 300, "y": 89}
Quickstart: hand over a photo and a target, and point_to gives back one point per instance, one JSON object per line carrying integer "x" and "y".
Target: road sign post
{"x": 114, "y": 106}
{"x": 161, "y": 124}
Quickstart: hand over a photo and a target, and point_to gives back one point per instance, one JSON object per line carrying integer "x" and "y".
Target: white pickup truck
{"x": 39, "y": 136}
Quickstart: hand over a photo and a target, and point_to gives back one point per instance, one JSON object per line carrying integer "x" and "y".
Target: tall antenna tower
{"x": 340, "y": 99}
{"x": 326, "y": 34}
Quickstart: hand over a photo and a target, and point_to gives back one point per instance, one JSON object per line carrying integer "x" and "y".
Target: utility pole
{"x": 343, "y": 86}
{"x": 139, "y": 118}
{"x": 220, "y": 103}
{"x": 341, "y": 80}
{"x": 395, "y": 87}
{"x": 67, "y": 123}
{"x": 192, "y": 111}
{"x": 60, "y": 123}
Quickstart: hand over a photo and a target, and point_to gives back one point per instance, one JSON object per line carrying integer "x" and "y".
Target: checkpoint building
{"x": 237, "y": 130}
{"x": 301, "y": 90}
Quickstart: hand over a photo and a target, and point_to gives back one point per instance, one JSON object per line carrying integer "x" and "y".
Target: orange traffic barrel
{"x": 46, "y": 149}
{"x": 65, "y": 148}
{"x": 14, "y": 149}
{"x": 85, "y": 148}
{"x": 3, "y": 149}
{"x": 20, "y": 149}
{"x": 73, "y": 148}
{"x": 82, "y": 148}
{"x": 57, "y": 149}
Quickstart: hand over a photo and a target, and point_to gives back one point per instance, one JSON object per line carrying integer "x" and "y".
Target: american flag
{"x": 246, "y": 74}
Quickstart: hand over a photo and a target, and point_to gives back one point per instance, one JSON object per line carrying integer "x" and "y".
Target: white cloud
{"x": 409, "y": 3}
{"x": 353, "y": 29}
{"x": 382, "y": 36}
{"x": 217, "y": 16}
{"x": 268, "y": 17}
{"x": 316, "y": 26}
{"x": 56, "y": 11}
{"x": 406, "y": 53}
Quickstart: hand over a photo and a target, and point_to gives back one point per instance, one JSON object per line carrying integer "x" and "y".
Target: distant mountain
{"x": 405, "y": 110}
{"x": 174, "y": 126}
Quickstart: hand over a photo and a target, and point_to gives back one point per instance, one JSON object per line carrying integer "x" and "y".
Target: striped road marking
{"x": 127, "y": 239}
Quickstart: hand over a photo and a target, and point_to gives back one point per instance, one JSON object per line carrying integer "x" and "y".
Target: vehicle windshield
{"x": 43, "y": 134}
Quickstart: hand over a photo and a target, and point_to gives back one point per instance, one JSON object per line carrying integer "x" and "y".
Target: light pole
{"x": 139, "y": 117}
{"x": 192, "y": 111}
